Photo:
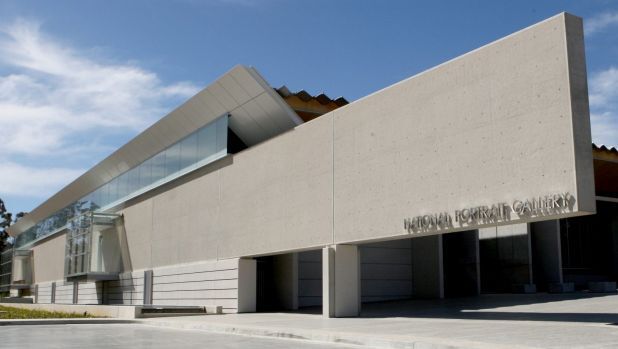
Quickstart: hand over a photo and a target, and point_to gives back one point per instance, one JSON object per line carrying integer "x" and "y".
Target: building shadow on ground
{"x": 513, "y": 307}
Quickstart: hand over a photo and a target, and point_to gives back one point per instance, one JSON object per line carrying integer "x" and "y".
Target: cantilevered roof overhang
{"x": 256, "y": 113}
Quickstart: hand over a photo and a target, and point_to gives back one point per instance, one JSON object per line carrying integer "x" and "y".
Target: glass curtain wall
{"x": 199, "y": 148}
{"x": 85, "y": 245}
{"x": 6, "y": 267}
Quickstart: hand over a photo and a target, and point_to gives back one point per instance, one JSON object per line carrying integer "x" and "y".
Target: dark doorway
{"x": 589, "y": 246}
{"x": 460, "y": 256}
{"x": 265, "y": 288}
{"x": 277, "y": 282}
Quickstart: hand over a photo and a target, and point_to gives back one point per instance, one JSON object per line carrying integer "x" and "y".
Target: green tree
{"x": 6, "y": 219}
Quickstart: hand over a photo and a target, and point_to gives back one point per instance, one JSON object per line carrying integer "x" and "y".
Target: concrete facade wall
{"x": 280, "y": 191}
{"x": 580, "y": 110}
{"x": 354, "y": 174}
{"x": 49, "y": 259}
{"x": 206, "y": 283}
{"x": 469, "y": 132}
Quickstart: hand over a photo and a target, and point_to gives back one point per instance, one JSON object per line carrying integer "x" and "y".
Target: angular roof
{"x": 256, "y": 113}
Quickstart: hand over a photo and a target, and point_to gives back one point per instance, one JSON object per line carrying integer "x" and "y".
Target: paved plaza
{"x": 489, "y": 321}
{"x": 135, "y": 336}
{"x": 576, "y": 320}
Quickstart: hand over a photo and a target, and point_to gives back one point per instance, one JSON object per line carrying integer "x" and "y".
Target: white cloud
{"x": 604, "y": 106}
{"x": 56, "y": 100}
{"x": 20, "y": 180}
{"x": 56, "y": 93}
{"x": 600, "y": 22}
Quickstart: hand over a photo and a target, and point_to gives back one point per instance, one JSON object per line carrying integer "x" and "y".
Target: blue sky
{"x": 80, "y": 78}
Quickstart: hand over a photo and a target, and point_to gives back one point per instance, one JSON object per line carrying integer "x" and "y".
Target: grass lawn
{"x": 18, "y": 313}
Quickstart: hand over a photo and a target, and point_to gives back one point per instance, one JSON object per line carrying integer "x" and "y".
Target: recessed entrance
{"x": 289, "y": 281}
{"x": 461, "y": 264}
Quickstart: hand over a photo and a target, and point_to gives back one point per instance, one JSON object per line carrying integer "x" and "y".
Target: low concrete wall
{"x": 128, "y": 290}
{"x": 90, "y": 293}
{"x": 209, "y": 283}
{"x": 64, "y": 292}
{"x": 44, "y": 294}
{"x": 13, "y": 300}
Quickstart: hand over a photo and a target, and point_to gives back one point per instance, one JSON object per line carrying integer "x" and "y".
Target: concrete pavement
{"x": 133, "y": 336}
{"x": 489, "y": 321}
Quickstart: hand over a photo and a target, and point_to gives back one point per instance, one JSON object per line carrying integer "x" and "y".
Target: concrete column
{"x": 340, "y": 281}
{"x": 53, "y": 293}
{"x": 427, "y": 267}
{"x": 147, "y": 296}
{"x": 547, "y": 256}
{"x": 328, "y": 281}
{"x": 75, "y": 292}
{"x": 477, "y": 247}
{"x": 286, "y": 280}
{"x": 247, "y": 282}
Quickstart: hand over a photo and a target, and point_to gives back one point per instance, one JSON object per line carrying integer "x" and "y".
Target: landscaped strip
{"x": 18, "y": 313}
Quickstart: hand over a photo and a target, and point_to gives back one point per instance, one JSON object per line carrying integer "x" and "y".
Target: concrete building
{"x": 477, "y": 175}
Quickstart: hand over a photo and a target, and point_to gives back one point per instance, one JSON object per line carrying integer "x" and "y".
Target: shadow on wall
{"x": 123, "y": 290}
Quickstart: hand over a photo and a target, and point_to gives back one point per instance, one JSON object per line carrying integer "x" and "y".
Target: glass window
{"x": 104, "y": 191}
{"x": 172, "y": 159}
{"x": 208, "y": 142}
{"x": 112, "y": 193}
{"x": 97, "y": 198}
{"x": 145, "y": 173}
{"x": 123, "y": 186}
{"x": 188, "y": 151}
{"x": 221, "y": 125}
{"x": 133, "y": 183}
{"x": 158, "y": 167}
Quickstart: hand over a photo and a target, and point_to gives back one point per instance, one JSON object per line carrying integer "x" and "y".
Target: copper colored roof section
{"x": 306, "y": 97}
{"x": 605, "y": 170}
{"x": 308, "y": 106}
{"x": 604, "y": 153}
{"x": 604, "y": 148}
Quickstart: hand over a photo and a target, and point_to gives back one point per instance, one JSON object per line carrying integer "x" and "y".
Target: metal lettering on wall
{"x": 500, "y": 212}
